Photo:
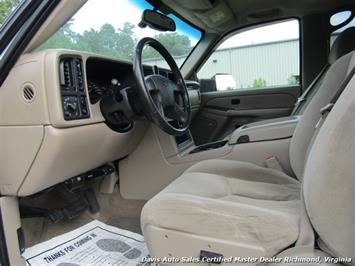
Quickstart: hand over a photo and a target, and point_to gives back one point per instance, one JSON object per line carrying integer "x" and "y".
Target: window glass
{"x": 6, "y": 9}
{"x": 267, "y": 56}
{"x": 110, "y": 28}
{"x": 337, "y": 19}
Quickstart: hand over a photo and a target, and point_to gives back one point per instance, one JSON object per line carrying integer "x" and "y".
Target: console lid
{"x": 269, "y": 129}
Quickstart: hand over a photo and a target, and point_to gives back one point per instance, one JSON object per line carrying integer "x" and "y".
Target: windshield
{"x": 110, "y": 28}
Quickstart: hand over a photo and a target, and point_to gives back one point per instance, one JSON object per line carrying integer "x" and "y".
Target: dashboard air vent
{"x": 66, "y": 71}
{"x": 28, "y": 93}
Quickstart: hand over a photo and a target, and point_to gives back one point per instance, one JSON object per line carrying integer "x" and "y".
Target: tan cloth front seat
{"x": 237, "y": 208}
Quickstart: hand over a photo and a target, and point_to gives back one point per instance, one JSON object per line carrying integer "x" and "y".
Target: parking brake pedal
{"x": 29, "y": 212}
{"x": 87, "y": 201}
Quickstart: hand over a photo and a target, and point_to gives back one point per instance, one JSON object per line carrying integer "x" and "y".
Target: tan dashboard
{"x": 43, "y": 141}
{"x": 39, "y": 147}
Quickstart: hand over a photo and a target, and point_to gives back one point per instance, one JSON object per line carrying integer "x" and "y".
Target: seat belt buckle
{"x": 326, "y": 109}
{"x": 300, "y": 99}
{"x": 273, "y": 163}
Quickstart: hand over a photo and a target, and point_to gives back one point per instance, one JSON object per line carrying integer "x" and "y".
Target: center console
{"x": 184, "y": 141}
{"x": 267, "y": 130}
{"x": 209, "y": 146}
{"x": 270, "y": 129}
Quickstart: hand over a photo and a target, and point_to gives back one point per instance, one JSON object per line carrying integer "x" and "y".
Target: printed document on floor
{"x": 92, "y": 244}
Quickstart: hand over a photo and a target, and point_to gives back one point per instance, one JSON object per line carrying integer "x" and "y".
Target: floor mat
{"x": 128, "y": 223}
{"x": 92, "y": 244}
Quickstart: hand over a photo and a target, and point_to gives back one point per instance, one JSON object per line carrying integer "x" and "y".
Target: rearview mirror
{"x": 157, "y": 21}
{"x": 225, "y": 82}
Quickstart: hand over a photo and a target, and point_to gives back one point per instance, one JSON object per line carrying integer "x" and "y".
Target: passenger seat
{"x": 240, "y": 209}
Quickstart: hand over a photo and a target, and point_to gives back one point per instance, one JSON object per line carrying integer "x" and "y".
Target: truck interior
{"x": 214, "y": 128}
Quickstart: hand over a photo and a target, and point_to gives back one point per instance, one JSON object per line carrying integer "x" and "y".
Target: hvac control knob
{"x": 70, "y": 106}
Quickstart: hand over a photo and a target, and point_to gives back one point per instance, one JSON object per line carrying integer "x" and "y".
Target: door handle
{"x": 235, "y": 101}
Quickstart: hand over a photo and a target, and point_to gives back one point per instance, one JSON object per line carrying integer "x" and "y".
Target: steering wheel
{"x": 165, "y": 101}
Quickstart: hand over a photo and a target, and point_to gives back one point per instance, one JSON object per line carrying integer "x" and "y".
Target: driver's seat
{"x": 240, "y": 209}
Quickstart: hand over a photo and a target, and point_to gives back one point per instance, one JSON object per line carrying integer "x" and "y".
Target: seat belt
{"x": 310, "y": 88}
{"x": 325, "y": 110}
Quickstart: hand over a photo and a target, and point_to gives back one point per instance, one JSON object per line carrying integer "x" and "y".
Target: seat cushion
{"x": 231, "y": 201}
{"x": 217, "y": 177}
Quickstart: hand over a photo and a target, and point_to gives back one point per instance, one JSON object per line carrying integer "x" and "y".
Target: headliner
{"x": 221, "y": 16}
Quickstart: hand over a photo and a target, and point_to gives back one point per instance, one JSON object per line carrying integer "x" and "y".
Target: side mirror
{"x": 157, "y": 21}
{"x": 225, "y": 82}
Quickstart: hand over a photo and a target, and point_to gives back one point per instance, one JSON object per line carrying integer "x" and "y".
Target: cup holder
{"x": 209, "y": 146}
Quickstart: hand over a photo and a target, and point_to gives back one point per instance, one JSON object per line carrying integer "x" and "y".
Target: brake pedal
{"x": 75, "y": 208}
{"x": 87, "y": 201}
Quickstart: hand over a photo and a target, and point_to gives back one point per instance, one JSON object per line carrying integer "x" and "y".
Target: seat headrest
{"x": 345, "y": 43}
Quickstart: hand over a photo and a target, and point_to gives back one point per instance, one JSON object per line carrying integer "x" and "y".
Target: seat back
{"x": 344, "y": 44}
{"x": 329, "y": 178}
{"x": 306, "y": 127}
{"x": 330, "y": 83}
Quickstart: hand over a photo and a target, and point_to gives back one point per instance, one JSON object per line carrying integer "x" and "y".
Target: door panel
{"x": 222, "y": 112}
{"x": 252, "y": 75}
